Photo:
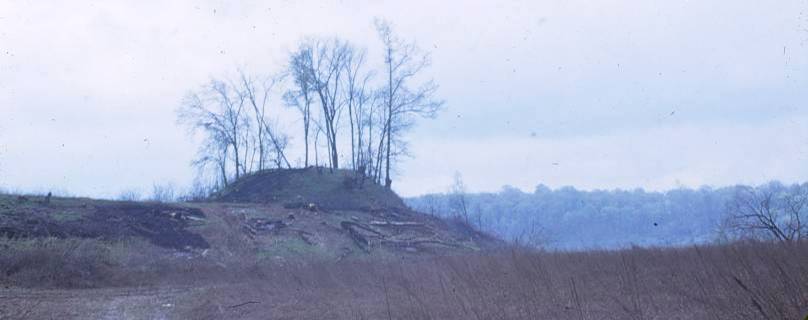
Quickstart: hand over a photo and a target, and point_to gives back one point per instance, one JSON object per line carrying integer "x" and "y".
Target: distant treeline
{"x": 568, "y": 218}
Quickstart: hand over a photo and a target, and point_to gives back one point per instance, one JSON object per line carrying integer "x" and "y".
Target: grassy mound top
{"x": 327, "y": 189}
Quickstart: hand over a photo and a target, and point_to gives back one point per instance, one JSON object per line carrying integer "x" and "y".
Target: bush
{"x": 129, "y": 195}
{"x": 56, "y": 262}
{"x": 163, "y": 193}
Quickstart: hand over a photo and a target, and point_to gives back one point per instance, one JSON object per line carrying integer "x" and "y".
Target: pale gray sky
{"x": 594, "y": 94}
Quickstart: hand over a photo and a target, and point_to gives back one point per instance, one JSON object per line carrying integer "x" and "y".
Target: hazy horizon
{"x": 615, "y": 94}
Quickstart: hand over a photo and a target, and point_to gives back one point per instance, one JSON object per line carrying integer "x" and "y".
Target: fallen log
{"x": 306, "y": 236}
{"x": 242, "y": 304}
{"x": 348, "y": 225}
{"x": 396, "y": 223}
{"x": 361, "y": 241}
{"x": 410, "y": 243}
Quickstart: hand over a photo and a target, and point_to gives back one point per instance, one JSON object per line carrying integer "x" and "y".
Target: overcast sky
{"x": 593, "y": 94}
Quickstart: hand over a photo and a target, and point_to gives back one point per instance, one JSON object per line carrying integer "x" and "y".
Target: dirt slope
{"x": 163, "y": 225}
{"x": 336, "y": 214}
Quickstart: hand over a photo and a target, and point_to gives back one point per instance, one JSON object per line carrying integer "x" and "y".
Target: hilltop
{"x": 328, "y": 189}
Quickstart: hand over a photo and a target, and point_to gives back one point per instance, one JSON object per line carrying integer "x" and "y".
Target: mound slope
{"x": 336, "y": 211}
{"x": 275, "y": 214}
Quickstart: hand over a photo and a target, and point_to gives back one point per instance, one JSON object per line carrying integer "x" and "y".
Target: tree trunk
{"x": 223, "y": 167}
{"x": 238, "y": 163}
{"x": 260, "y": 144}
{"x": 387, "y": 180}
{"x": 306, "y": 119}
{"x": 353, "y": 145}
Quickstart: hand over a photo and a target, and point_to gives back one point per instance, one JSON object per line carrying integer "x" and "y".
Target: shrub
{"x": 56, "y": 262}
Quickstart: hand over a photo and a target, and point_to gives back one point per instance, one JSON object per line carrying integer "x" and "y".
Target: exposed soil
{"x": 162, "y": 224}
{"x": 336, "y": 211}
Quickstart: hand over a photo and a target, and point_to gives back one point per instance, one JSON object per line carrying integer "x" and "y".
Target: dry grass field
{"x": 87, "y": 280}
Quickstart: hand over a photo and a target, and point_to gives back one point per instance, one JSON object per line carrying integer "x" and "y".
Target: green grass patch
{"x": 292, "y": 246}
{"x": 66, "y": 216}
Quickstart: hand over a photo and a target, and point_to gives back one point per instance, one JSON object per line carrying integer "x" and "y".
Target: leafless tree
{"x": 431, "y": 204}
{"x": 218, "y": 110}
{"x": 403, "y": 62}
{"x": 478, "y": 215}
{"x": 329, "y": 78}
{"x": 459, "y": 201}
{"x": 771, "y": 211}
{"x": 301, "y": 94}
{"x": 331, "y": 72}
{"x": 257, "y": 93}
{"x": 163, "y": 193}
{"x": 373, "y": 123}
{"x": 358, "y": 96}
{"x": 317, "y": 132}
{"x": 238, "y": 136}
{"x": 200, "y": 190}
{"x": 533, "y": 236}
{"x": 326, "y": 73}
{"x": 213, "y": 155}
{"x": 129, "y": 195}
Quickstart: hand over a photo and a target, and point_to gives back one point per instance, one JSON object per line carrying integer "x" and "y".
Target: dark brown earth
{"x": 162, "y": 224}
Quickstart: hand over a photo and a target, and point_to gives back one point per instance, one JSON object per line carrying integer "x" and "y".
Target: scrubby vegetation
{"x": 740, "y": 281}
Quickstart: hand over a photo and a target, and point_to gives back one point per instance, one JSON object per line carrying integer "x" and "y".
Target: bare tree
{"x": 325, "y": 73}
{"x": 771, "y": 211}
{"x": 199, "y": 190}
{"x": 129, "y": 195}
{"x": 238, "y": 137}
{"x": 358, "y": 96}
{"x": 218, "y": 111}
{"x": 301, "y": 94}
{"x": 431, "y": 204}
{"x": 328, "y": 77}
{"x": 374, "y": 120}
{"x": 317, "y": 132}
{"x": 257, "y": 94}
{"x": 213, "y": 155}
{"x": 403, "y": 62}
{"x": 478, "y": 215}
{"x": 533, "y": 235}
{"x": 459, "y": 201}
{"x": 163, "y": 193}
